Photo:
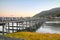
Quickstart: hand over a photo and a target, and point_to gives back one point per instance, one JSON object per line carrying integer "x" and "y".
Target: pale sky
{"x": 25, "y": 8}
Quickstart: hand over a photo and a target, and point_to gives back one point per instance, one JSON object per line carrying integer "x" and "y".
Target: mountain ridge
{"x": 54, "y": 12}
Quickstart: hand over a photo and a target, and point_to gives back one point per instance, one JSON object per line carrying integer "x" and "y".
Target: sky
{"x": 25, "y": 8}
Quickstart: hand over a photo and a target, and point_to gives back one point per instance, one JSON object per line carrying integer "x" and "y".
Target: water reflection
{"x": 49, "y": 28}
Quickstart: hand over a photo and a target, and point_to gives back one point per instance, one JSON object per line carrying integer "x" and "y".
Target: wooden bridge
{"x": 12, "y": 25}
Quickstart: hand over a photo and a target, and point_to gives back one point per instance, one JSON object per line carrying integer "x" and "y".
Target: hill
{"x": 55, "y": 12}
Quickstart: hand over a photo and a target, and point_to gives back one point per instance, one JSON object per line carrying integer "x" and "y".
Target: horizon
{"x": 25, "y": 8}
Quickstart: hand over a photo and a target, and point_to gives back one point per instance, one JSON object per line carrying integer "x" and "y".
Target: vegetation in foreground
{"x": 34, "y": 36}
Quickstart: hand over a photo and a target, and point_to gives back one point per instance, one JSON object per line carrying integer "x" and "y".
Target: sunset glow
{"x": 25, "y": 8}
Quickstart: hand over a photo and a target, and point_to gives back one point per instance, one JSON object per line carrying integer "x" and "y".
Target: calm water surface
{"x": 49, "y": 29}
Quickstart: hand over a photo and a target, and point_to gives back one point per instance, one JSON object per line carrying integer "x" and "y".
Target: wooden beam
{"x": 3, "y": 29}
{"x": 12, "y": 27}
{"x": 8, "y": 28}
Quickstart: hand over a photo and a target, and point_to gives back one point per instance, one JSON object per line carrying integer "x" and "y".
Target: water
{"x": 21, "y": 26}
{"x": 45, "y": 28}
{"x": 0, "y": 28}
{"x": 49, "y": 29}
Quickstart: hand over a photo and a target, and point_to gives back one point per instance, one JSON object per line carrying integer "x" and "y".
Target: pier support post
{"x": 8, "y": 27}
{"x": 17, "y": 25}
{"x": 12, "y": 27}
{"x": 3, "y": 29}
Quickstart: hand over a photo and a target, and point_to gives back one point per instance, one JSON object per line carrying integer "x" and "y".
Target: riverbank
{"x": 34, "y": 36}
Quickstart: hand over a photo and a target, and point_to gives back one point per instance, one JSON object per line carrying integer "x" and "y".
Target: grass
{"x": 34, "y": 36}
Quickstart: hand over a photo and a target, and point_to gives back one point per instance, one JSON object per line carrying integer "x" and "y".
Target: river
{"x": 49, "y": 28}
{"x": 45, "y": 28}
